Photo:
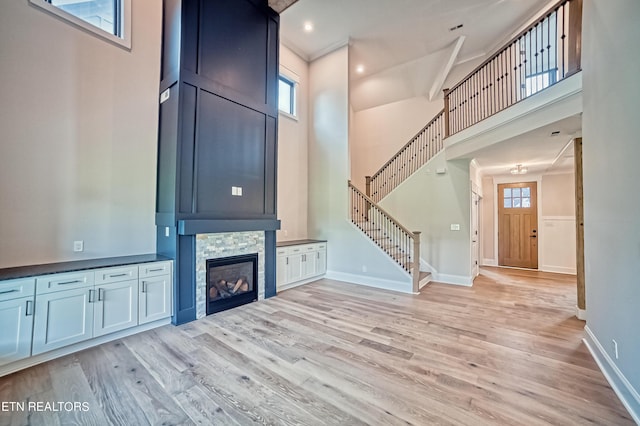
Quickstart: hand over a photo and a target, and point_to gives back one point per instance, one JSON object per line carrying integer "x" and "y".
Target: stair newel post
{"x": 415, "y": 267}
{"x": 446, "y": 113}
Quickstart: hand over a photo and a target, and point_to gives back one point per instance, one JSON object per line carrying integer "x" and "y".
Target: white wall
{"x": 430, "y": 203}
{"x": 349, "y": 251}
{"x": 292, "y": 153}
{"x": 611, "y": 175}
{"x": 557, "y": 226}
{"x": 79, "y": 120}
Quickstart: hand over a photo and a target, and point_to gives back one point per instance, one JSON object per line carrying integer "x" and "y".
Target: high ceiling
{"x": 387, "y": 33}
{"x": 408, "y": 50}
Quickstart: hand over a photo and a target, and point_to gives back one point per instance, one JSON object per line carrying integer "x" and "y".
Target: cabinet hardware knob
{"x": 156, "y": 270}
{"x": 100, "y": 294}
{"x": 91, "y": 296}
{"x": 9, "y": 291}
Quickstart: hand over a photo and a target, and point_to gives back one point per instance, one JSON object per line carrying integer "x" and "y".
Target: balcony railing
{"x": 546, "y": 52}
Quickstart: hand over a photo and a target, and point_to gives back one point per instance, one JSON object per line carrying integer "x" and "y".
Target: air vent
{"x": 556, "y": 133}
{"x": 457, "y": 27}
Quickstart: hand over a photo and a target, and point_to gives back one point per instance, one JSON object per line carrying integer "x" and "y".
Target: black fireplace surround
{"x": 231, "y": 282}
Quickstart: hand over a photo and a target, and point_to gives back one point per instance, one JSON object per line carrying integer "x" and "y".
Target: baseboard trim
{"x": 462, "y": 280}
{"x": 581, "y": 314}
{"x": 369, "y": 281}
{"x": 558, "y": 269}
{"x": 621, "y": 386}
{"x": 76, "y": 347}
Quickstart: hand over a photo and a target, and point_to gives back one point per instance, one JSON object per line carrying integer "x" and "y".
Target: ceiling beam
{"x": 280, "y": 5}
{"x": 446, "y": 69}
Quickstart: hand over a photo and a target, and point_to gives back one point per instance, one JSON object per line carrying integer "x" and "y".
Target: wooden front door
{"x": 518, "y": 225}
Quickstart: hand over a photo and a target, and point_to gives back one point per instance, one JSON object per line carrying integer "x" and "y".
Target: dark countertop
{"x": 77, "y": 265}
{"x": 297, "y": 242}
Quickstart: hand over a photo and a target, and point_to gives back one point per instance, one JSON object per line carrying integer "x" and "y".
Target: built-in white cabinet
{"x": 64, "y": 310}
{"x": 16, "y": 319}
{"x": 49, "y": 312}
{"x": 155, "y": 293}
{"x": 299, "y": 264}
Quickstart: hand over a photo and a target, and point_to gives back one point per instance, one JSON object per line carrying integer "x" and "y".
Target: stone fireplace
{"x": 228, "y": 245}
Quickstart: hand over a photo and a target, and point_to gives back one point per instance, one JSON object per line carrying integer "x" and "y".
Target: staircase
{"x": 541, "y": 55}
{"x": 398, "y": 242}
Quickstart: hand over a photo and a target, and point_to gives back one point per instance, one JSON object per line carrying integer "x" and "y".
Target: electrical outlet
{"x": 78, "y": 245}
{"x": 455, "y": 226}
{"x": 166, "y": 231}
{"x": 615, "y": 348}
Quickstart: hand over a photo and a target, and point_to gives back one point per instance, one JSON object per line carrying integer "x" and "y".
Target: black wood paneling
{"x": 219, "y": 127}
{"x": 230, "y": 152}
{"x": 233, "y": 46}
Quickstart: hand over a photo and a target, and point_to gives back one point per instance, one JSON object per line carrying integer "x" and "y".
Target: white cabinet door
{"x": 309, "y": 264}
{"x": 281, "y": 270}
{"x": 62, "y": 318}
{"x": 294, "y": 268}
{"x": 321, "y": 261}
{"x": 155, "y": 298}
{"x": 116, "y": 307}
{"x": 16, "y": 319}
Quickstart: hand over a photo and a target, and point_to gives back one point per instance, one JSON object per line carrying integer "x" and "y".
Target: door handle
{"x": 533, "y": 236}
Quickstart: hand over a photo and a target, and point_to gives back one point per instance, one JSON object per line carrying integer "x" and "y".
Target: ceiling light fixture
{"x": 360, "y": 69}
{"x": 519, "y": 170}
{"x": 308, "y": 27}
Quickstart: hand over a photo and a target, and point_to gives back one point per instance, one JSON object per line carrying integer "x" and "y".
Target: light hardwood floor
{"x": 506, "y": 351}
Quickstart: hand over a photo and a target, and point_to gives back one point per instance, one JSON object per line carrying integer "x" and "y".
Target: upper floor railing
{"x": 546, "y": 52}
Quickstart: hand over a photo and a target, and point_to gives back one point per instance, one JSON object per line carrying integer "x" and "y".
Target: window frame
{"x": 293, "y": 81}
{"x": 123, "y": 22}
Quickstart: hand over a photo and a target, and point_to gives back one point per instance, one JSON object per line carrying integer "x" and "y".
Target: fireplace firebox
{"x": 231, "y": 282}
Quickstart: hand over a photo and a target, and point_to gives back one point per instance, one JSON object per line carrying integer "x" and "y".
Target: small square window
{"x": 287, "y": 96}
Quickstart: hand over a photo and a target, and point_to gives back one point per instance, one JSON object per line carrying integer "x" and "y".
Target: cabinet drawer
{"x": 310, "y": 247}
{"x": 321, "y": 246}
{"x": 281, "y": 252}
{"x": 59, "y": 282}
{"x": 295, "y": 250}
{"x": 155, "y": 269}
{"x": 14, "y": 289}
{"x": 117, "y": 274}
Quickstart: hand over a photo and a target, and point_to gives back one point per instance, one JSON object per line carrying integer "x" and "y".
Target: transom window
{"x": 109, "y": 19}
{"x": 515, "y": 198}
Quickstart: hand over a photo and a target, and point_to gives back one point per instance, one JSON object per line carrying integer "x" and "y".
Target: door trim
{"x": 497, "y": 180}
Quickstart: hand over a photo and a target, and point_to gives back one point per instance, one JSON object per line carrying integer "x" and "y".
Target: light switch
{"x": 455, "y": 226}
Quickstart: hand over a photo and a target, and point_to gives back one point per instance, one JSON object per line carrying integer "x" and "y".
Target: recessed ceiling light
{"x": 308, "y": 27}
{"x": 360, "y": 69}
